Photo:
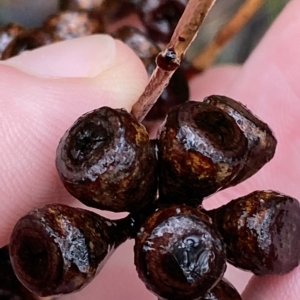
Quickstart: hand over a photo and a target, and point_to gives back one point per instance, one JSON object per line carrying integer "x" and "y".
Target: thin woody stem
{"x": 229, "y": 30}
{"x": 169, "y": 60}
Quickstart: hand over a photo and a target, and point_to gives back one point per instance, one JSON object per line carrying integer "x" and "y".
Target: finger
{"x": 215, "y": 81}
{"x": 41, "y": 94}
{"x": 274, "y": 287}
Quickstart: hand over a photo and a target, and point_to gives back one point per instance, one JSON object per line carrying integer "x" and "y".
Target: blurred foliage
{"x": 239, "y": 48}
{"x": 31, "y": 13}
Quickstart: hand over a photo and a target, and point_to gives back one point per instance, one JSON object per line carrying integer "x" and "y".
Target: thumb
{"x": 42, "y": 92}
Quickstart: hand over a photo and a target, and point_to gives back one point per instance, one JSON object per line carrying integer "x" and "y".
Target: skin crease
{"x": 44, "y": 91}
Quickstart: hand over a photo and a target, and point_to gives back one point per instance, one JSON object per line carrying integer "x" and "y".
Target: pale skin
{"x": 43, "y": 92}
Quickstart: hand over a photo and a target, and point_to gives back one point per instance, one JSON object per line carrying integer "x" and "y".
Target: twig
{"x": 169, "y": 60}
{"x": 229, "y": 30}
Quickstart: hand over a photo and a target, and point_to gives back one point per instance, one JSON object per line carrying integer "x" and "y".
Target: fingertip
{"x": 214, "y": 81}
{"x": 273, "y": 287}
{"x": 125, "y": 79}
{"x": 98, "y": 63}
{"x": 81, "y": 57}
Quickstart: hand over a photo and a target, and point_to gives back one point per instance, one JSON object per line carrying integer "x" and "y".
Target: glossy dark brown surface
{"x": 107, "y": 161}
{"x": 116, "y": 10}
{"x": 69, "y": 246}
{"x": 28, "y": 40}
{"x": 201, "y": 148}
{"x": 73, "y": 24}
{"x": 178, "y": 254}
{"x": 161, "y": 17}
{"x": 10, "y": 287}
{"x": 224, "y": 290}
{"x": 110, "y": 10}
{"x": 7, "y": 34}
{"x": 261, "y": 141}
{"x": 261, "y": 232}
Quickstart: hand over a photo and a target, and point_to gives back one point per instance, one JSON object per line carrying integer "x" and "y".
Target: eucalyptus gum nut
{"x": 178, "y": 253}
{"x": 7, "y": 34}
{"x": 106, "y": 9}
{"x": 10, "y": 287}
{"x": 106, "y": 161}
{"x": 261, "y": 140}
{"x": 260, "y": 231}
{"x": 59, "y": 249}
{"x": 73, "y": 24}
{"x": 115, "y": 10}
{"x": 224, "y": 290}
{"x": 161, "y": 17}
{"x": 201, "y": 149}
{"x": 28, "y": 40}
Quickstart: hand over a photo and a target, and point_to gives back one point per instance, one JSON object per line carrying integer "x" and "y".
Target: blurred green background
{"x": 31, "y": 13}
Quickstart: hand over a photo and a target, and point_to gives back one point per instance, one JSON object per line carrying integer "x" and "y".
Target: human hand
{"x": 43, "y": 92}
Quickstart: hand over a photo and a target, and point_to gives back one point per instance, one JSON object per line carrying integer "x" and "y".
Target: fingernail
{"x": 81, "y": 57}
